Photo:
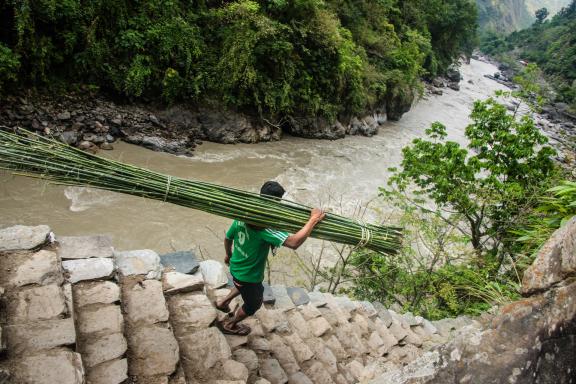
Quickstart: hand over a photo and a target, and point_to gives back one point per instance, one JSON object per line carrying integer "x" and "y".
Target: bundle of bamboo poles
{"x": 27, "y": 154}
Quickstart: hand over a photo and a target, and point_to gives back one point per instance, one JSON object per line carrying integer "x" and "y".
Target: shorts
{"x": 252, "y": 294}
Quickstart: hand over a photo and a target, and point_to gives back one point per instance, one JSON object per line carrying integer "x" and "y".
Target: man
{"x": 248, "y": 260}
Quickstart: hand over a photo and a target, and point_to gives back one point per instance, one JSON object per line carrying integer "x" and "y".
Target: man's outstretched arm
{"x": 296, "y": 240}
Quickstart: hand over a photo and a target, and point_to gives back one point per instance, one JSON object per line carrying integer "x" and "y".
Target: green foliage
{"x": 486, "y": 188}
{"x": 9, "y": 64}
{"x": 541, "y": 15}
{"x": 278, "y": 58}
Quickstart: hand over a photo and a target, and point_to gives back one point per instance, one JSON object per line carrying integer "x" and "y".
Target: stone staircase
{"x": 75, "y": 311}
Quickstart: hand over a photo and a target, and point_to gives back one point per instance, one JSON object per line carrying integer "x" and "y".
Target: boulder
{"x": 47, "y": 334}
{"x": 214, "y": 273}
{"x": 301, "y": 351}
{"x": 350, "y": 340}
{"x": 48, "y": 367}
{"x": 95, "y": 292}
{"x": 23, "y": 237}
{"x": 283, "y": 354}
{"x": 299, "y": 325}
{"x": 299, "y": 296}
{"x": 139, "y": 262}
{"x": 324, "y": 354}
{"x": 299, "y": 378}
{"x": 83, "y": 247}
{"x": 283, "y": 300}
{"x": 316, "y": 128}
{"x": 153, "y": 351}
{"x": 366, "y": 308}
{"x": 144, "y": 302}
{"x": 555, "y": 260}
{"x": 104, "y": 319}
{"x": 35, "y": 303}
{"x": 182, "y": 261}
{"x": 96, "y": 350}
{"x": 271, "y": 370}
{"x": 234, "y": 370}
{"x": 191, "y": 312}
{"x": 247, "y": 357}
{"x": 110, "y": 372}
{"x": 202, "y": 350}
{"x": 268, "y": 294}
{"x": 319, "y": 326}
{"x": 88, "y": 269}
{"x": 336, "y": 347}
{"x": 318, "y": 374}
{"x": 177, "y": 282}
{"x": 235, "y": 341}
{"x": 383, "y": 313}
{"x": 272, "y": 319}
{"x": 309, "y": 311}
{"x": 453, "y": 74}
{"x": 317, "y": 298}
{"x": 24, "y": 268}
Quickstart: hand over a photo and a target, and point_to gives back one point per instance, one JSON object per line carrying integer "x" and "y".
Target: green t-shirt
{"x": 251, "y": 247}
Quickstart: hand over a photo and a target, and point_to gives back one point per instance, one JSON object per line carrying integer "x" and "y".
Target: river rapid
{"x": 340, "y": 175}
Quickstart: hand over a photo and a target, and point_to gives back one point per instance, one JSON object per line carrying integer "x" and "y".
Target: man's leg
{"x": 252, "y": 294}
{"x": 224, "y": 305}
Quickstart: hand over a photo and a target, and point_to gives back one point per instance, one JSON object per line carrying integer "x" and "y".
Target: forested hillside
{"x": 273, "y": 58}
{"x": 550, "y": 44}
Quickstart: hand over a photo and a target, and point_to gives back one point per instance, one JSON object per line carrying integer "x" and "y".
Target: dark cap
{"x": 272, "y": 188}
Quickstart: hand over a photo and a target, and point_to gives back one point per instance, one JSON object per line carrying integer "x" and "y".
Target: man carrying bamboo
{"x": 247, "y": 260}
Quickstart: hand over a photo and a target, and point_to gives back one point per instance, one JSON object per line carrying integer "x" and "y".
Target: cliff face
{"x": 530, "y": 341}
{"x": 503, "y": 16}
{"x": 553, "y": 6}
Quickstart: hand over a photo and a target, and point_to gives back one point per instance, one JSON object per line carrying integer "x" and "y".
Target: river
{"x": 338, "y": 174}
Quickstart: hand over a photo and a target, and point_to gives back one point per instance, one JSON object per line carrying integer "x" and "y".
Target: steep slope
{"x": 503, "y": 16}
{"x": 553, "y": 6}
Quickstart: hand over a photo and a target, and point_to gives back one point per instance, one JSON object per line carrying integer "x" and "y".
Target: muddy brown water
{"x": 338, "y": 174}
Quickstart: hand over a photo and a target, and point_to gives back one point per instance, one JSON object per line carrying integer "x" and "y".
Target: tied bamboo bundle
{"x": 27, "y": 154}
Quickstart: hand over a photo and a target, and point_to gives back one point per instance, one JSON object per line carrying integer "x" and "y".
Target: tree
{"x": 483, "y": 190}
{"x": 541, "y": 15}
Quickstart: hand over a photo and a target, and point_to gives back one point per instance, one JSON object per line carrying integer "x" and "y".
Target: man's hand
{"x": 317, "y": 215}
{"x": 227, "y": 260}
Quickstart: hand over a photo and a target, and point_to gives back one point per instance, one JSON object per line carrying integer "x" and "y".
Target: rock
{"x": 397, "y": 330}
{"x": 454, "y": 86}
{"x": 299, "y": 378}
{"x": 383, "y": 314}
{"x": 366, "y": 308}
{"x": 316, "y": 128}
{"x": 106, "y": 146}
{"x": 261, "y": 381}
{"x": 110, "y": 372}
{"x": 176, "y": 282}
{"x": 35, "y": 303}
{"x": 140, "y": 262}
{"x": 236, "y": 341}
{"x": 272, "y": 319}
{"x": 214, "y": 273}
{"x": 411, "y": 319}
{"x": 299, "y": 325}
{"x": 387, "y": 337}
{"x": 309, "y": 311}
{"x": 153, "y": 351}
{"x": 69, "y": 137}
{"x": 259, "y": 344}
{"x": 190, "y": 312}
{"x": 301, "y": 351}
{"x": 283, "y": 354}
{"x": 318, "y": 374}
{"x": 437, "y": 82}
{"x": 95, "y": 292}
{"x": 436, "y": 91}
{"x": 101, "y": 349}
{"x": 19, "y": 269}
{"x": 345, "y": 304}
{"x": 555, "y": 260}
{"x": 350, "y": 340}
{"x": 317, "y": 298}
{"x": 54, "y": 366}
{"x": 270, "y": 369}
{"x": 88, "y": 269}
{"x": 234, "y": 370}
{"x": 202, "y": 350}
{"x": 319, "y": 326}
{"x": 23, "y": 237}
{"x": 324, "y": 354}
{"x": 104, "y": 319}
{"x": 63, "y": 115}
{"x": 47, "y": 334}
{"x": 182, "y": 261}
{"x": 356, "y": 369}
{"x": 84, "y": 144}
{"x": 336, "y": 347}
{"x": 429, "y": 328}
{"x": 299, "y": 296}
{"x": 399, "y": 102}
{"x": 453, "y": 74}
{"x": 375, "y": 342}
{"x": 144, "y": 302}
{"x": 268, "y": 295}
{"x": 283, "y": 300}
{"x": 361, "y": 323}
{"x": 247, "y": 357}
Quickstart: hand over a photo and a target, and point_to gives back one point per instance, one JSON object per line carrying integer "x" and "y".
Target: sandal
{"x": 238, "y": 330}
